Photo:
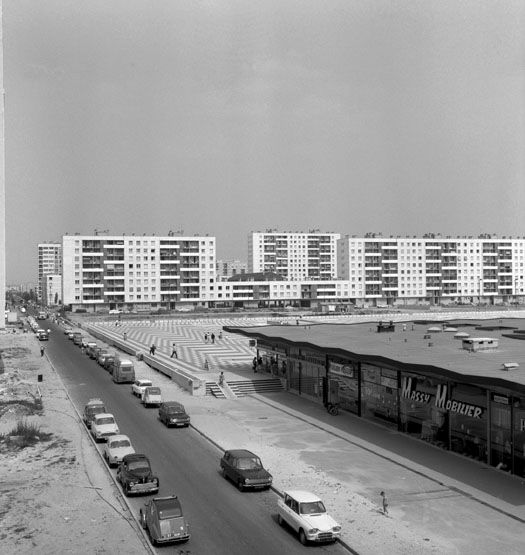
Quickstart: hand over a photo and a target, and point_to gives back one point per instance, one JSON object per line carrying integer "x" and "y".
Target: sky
{"x": 224, "y": 117}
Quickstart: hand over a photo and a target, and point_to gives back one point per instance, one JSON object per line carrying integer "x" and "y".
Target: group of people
{"x": 211, "y": 336}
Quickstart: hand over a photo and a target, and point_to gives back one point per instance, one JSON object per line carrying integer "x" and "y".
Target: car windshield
{"x": 312, "y": 508}
{"x": 138, "y": 465}
{"x": 97, "y": 409}
{"x": 120, "y": 443}
{"x": 144, "y": 384}
{"x": 154, "y": 390}
{"x": 105, "y": 420}
{"x": 168, "y": 508}
{"x": 249, "y": 463}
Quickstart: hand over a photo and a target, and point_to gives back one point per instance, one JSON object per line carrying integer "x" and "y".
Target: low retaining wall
{"x": 184, "y": 379}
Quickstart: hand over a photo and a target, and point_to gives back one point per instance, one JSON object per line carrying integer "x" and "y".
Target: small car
{"x": 139, "y": 386}
{"x": 151, "y": 396}
{"x": 305, "y": 513}
{"x": 93, "y": 407}
{"x": 70, "y": 334}
{"x": 173, "y": 414}
{"x": 42, "y": 335}
{"x": 102, "y": 357}
{"x": 84, "y": 342}
{"x": 117, "y": 447}
{"x": 90, "y": 349}
{"x": 135, "y": 475}
{"x": 104, "y": 426}
{"x": 67, "y": 330}
{"x": 162, "y": 517}
{"x": 245, "y": 469}
{"x": 115, "y": 311}
{"x": 108, "y": 363}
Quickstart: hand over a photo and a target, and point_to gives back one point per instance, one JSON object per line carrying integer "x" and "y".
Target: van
{"x": 123, "y": 371}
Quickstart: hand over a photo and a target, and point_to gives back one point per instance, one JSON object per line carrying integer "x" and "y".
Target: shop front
{"x": 307, "y": 374}
{"x": 379, "y": 394}
{"x": 343, "y": 384}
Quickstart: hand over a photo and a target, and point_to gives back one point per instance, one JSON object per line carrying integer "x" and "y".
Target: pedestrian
{"x": 125, "y": 336}
{"x": 254, "y": 365}
{"x": 221, "y": 379}
{"x": 220, "y": 334}
{"x": 48, "y": 331}
{"x": 174, "y": 351}
{"x": 152, "y": 349}
{"x": 212, "y": 337}
{"x": 42, "y": 349}
{"x": 206, "y": 337}
{"x": 206, "y": 365}
{"x": 385, "y": 503}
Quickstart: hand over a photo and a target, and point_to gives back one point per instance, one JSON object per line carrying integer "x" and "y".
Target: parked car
{"x": 162, "y": 517}
{"x": 102, "y": 357}
{"x": 77, "y": 338}
{"x": 173, "y": 414}
{"x": 135, "y": 475}
{"x": 151, "y": 397}
{"x": 139, "y": 386}
{"x": 103, "y": 426}
{"x": 89, "y": 348}
{"x": 108, "y": 363}
{"x": 67, "y": 330}
{"x": 95, "y": 352}
{"x": 245, "y": 469}
{"x": 71, "y": 334}
{"x": 306, "y": 514}
{"x": 42, "y": 335}
{"x": 115, "y": 311}
{"x": 117, "y": 447}
{"x": 123, "y": 371}
{"x": 93, "y": 407}
{"x": 84, "y": 342}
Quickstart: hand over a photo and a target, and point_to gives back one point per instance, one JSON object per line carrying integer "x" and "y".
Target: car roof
{"x": 104, "y": 415}
{"x": 172, "y": 404}
{"x": 118, "y": 437}
{"x": 144, "y": 381}
{"x": 302, "y": 496}
{"x": 134, "y": 457}
{"x": 95, "y": 401}
{"x": 241, "y": 453}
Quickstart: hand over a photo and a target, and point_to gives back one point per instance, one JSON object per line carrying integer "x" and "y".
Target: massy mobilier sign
{"x": 409, "y": 391}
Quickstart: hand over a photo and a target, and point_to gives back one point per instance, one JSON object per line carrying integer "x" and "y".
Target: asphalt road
{"x": 222, "y": 519}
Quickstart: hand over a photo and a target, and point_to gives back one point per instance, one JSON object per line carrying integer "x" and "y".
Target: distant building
{"x": 228, "y": 268}
{"x": 49, "y": 263}
{"x": 52, "y": 290}
{"x": 137, "y": 272}
{"x": 296, "y": 256}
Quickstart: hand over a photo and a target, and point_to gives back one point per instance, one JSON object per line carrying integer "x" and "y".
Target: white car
{"x": 117, "y": 447}
{"x": 139, "y": 386}
{"x": 103, "y": 426}
{"x": 115, "y": 311}
{"x": 305, "y": 513}
{"x": 151, "y": 396}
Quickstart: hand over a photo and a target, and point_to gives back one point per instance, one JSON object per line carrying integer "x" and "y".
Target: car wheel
{"x": 280, "y": 520}
{"x": 302, "y": 537}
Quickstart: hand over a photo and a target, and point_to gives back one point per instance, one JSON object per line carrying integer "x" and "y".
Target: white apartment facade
{"x": 49, "y": 263}
{"x": 433, "y": 269}
{"x": 52, "y": 290}
{"x": 229, "y": 268}
{"x": 296, "y": 256}
{"x": 129, "y": 272}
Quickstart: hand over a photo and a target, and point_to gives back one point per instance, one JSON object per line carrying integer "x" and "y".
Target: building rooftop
{"x": 415, "y": 348}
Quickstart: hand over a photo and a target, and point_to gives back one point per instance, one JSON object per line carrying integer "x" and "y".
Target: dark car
{"x": 93, "y": 407}
{"x": 93, "y": 352}
{"x": 135, "y": 475}
{"x": 162, "y": 517}
{"x": 108, "y": 363}
{"x": 245, "y": 469}
{"x": 173, "y": 414}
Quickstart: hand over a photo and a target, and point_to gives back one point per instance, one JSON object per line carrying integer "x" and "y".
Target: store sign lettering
{"x": 409, "y": 391}
{"x": 453, "y": 405}
{"x": 414, "y": 394}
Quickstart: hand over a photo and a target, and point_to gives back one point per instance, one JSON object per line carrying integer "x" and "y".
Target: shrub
{"x": 28, "y": 434}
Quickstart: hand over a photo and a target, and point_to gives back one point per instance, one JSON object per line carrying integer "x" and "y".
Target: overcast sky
{"x": 223, "y": 117}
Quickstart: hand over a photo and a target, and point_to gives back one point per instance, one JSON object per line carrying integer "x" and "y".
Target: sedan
{"x": 245, "y": 470}
{"x": 117, "y": 447}
{"x": 139, "y": 386}
{"x": 103, "y": 426}
{"x": 305, "y": 513}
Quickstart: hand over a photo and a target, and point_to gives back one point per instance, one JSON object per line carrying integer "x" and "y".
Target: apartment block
{"x": 229, "y": 268}
{"x": 130, "y": 272}
{"x": 52, "y": 290}
{"x": 433, "y": 269}
{"x": 49, "y": 263}
{"x": 296, "y": 256}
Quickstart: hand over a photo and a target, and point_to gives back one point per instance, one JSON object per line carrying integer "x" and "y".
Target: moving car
{"x": 42, "y": 335}
{"x": 135, "y": 475}
{"x": 245, "y": 469}
{"x": 139, "y": 386}
{"x": 117, "y": 447}
{"x": 93, "y": 407}
{"x": 103, "y": 426}
{"x": 162, "y": 517}
{"x": 151, "y": 396}
{"x": 306, "y": 514}
{"x": 173, "y": 414}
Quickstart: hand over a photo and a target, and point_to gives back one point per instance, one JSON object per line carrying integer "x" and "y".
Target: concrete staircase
{"x": 214, "y": 390}
{"x": 242, "y": 388}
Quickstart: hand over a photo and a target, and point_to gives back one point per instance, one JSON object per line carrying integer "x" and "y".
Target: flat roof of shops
{"x": 415, "y": 348}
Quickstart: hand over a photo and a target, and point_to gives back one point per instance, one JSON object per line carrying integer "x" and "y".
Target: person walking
{"x": 212, "y": 337}
{"x": 254, "y": 365}
{"x": 220, "y": 334}
{"x": 42, "y": 349}
{"x": 221, "y": 379}
{"x": 385, "y": 503}
{"x": 125, "y": 336}
{"x": 152, "y": 349}
{"x": 174, "y": 351}
{"x": 206, "y": 337}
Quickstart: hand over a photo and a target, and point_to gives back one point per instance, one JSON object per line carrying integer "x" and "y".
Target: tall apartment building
{"x": 433, "y": 268}
{"x": 52, "y": 290}
{"x": 130, "y": 272}
{"x": 229, "y": 268}
{"x": 296, "y": 256}
{"x": 49, "y": 263}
